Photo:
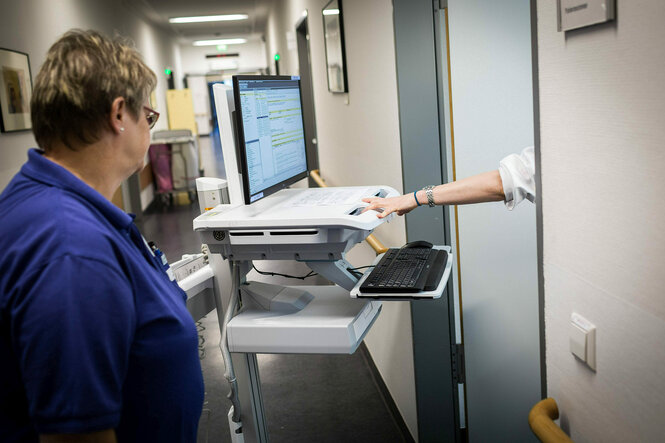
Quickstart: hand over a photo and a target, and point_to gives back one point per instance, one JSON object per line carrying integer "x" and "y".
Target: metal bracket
{"x": 440, "y": 4}
{"x": 335, "y": 271}
{"x": 458, "y": 364}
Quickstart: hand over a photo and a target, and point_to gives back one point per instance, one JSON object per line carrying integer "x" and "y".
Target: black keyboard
{"x": 406, "y": 270}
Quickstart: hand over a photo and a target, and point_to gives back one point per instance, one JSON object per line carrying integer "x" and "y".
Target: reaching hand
{"x": 402, "y": 204}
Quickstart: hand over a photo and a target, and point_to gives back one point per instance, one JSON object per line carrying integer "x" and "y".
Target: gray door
{"x": 492, "y": 116}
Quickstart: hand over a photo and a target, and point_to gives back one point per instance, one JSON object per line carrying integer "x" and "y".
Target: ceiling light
{"x": 222, "y": 41}
{"x": 331, "y": 12}
{"x": 209, "y": 18}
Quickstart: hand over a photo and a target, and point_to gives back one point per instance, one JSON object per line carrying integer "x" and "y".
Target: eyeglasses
{"x": 152, "y": 116}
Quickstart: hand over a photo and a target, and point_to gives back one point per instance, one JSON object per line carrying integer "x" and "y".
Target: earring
{"x": 122, "y": 129}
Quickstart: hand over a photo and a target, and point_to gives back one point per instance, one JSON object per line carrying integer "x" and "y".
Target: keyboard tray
{"x": 355, "y": 292}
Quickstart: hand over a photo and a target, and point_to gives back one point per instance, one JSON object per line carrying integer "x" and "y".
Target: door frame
{"x": 423, "y": 163}
{"x": 307, "y": 88}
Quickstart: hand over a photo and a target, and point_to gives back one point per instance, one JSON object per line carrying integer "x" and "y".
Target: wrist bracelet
{"x": 430, "y": 195}
{"x": 414, "y": 196}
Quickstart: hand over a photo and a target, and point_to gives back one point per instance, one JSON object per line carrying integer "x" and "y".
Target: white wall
{"x": 32, "y": 26}
{"x": 284, "y": 15}
{"x": 251, "y": 57}
{"x": 602, "y": 111}
{"x": 358, "y": 139}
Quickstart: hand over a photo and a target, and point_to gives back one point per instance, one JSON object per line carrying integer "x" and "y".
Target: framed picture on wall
{"x": 15, "y": 91}
{"x": 333, "y": 32}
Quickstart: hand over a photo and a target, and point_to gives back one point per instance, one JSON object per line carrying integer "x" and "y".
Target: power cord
{"x": 358, "y": 274}
{"x": 310, "y": 274}
{"x": 202, "y": 348}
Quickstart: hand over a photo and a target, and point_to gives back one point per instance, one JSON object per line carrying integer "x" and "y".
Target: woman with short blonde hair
{"x": 96, "y": 342}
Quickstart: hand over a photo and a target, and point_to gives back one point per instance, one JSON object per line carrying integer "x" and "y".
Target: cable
{"x": 361, "y": 267}
{"x": 358, "y": 274}
{"x": 202, "y": 340}
{"x": 310, "y": 274}
{"x": 229, "y": 373}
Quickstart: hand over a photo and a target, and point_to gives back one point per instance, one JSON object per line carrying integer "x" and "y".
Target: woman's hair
{"x": 83, "y": 73}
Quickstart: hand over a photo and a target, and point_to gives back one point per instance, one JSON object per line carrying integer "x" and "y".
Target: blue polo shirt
{"x": 93, "y": 333}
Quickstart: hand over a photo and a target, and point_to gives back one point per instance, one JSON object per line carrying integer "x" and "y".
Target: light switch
{"x": 583, "y": 339}
{"x": 578, "y": 341}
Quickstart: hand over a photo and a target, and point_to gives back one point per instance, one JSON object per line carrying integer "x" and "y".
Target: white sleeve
{"x": 518, "y": 176}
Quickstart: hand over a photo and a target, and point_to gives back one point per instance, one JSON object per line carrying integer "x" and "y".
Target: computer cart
{"x": 174, "y": 156}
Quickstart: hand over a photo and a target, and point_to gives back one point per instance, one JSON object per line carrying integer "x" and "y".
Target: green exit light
{"x": 167, "y": 71}
{"x": 276, "y": 57}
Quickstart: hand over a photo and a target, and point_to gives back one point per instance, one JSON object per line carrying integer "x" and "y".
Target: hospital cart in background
{"x": 174, "y": 157}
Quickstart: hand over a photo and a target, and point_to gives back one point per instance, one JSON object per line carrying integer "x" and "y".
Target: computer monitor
{"x": 270, "y": 132}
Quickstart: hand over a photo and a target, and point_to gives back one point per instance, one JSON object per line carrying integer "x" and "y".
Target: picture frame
{"x": 333, "y": 33}
{"x": 15, "y": 91}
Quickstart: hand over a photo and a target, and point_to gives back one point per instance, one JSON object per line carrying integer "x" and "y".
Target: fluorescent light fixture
{"x": 209, "y": 18}
{"x": 331, "y": 12}
{"x": 221, "y": 41}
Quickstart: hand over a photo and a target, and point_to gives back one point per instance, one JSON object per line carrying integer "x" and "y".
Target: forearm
{"x": 485, "y": 187}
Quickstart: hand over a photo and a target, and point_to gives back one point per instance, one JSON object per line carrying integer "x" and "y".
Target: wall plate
{"x": 583, "y": 339}
{"x": 575, "y": 14}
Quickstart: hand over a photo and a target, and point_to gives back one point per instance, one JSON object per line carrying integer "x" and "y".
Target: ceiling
{"x": 159, "y": 12}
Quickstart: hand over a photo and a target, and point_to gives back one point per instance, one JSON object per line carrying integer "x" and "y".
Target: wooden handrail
{"x": 317, "y": 178}
{"x": 371, "y": 240}
{"x": 541, "y": 421}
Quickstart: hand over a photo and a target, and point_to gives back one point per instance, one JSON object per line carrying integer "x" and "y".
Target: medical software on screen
{"x": 273, "y": 131}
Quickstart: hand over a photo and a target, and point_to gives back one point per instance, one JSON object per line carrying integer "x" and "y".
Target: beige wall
{"x": 602, "y": 109}
{"x": 358, "y": 139}
{"x": 32, "y": 26}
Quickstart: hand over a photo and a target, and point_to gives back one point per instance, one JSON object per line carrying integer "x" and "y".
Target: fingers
{"x": 386, "y": 212}
{"x": 380, "y": 210}
{"x": 388, "y": 206}
{"x": 374, "y": 203}
{"x": 372, "y": 200}
{"x": 370, "y": 206}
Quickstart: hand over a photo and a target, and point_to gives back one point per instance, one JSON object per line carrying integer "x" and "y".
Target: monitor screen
{"x": 271, "y": 135}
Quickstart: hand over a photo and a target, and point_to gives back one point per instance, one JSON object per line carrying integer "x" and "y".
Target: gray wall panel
{"x": 422, "y": 165}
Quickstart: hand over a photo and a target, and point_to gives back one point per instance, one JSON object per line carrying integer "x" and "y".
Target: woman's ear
{"x": 118, "y": 115}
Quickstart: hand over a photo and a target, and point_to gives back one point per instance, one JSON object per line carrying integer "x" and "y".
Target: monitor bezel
{"x": 241, "y": 150}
